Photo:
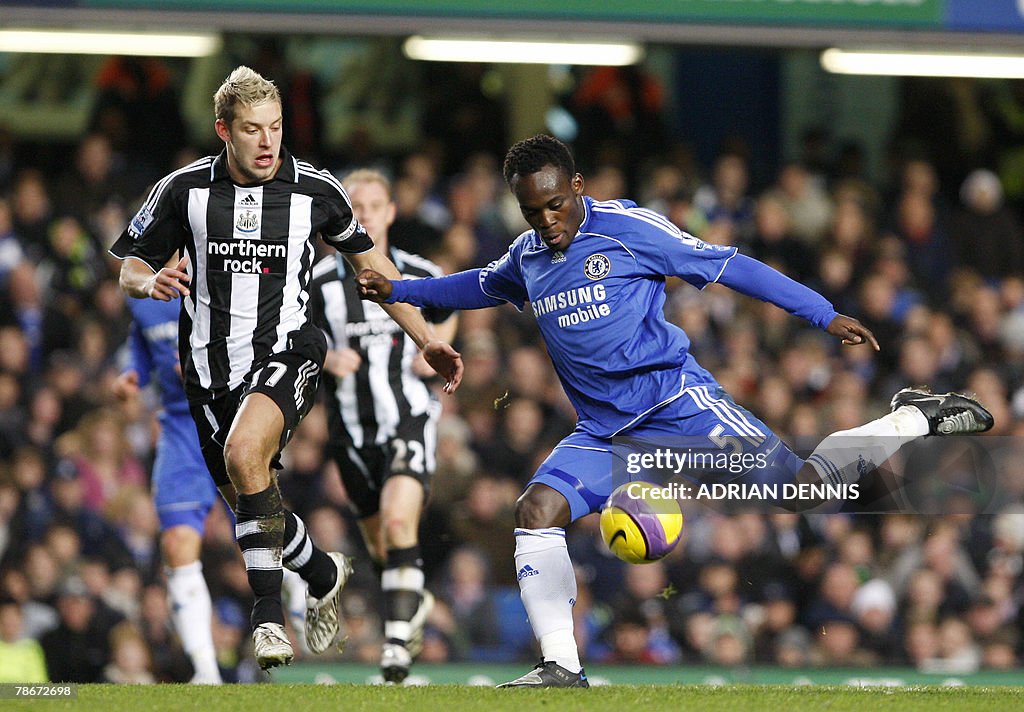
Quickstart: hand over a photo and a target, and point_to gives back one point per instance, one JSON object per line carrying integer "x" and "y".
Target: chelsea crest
{"x": 597, "y": 266}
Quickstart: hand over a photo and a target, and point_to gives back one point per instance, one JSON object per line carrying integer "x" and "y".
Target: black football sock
{"x": 303, "y": 557}
{"x": 259, "y": 529}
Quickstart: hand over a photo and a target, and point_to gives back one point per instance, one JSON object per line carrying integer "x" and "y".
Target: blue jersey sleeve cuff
{"x": 397, "y": 292}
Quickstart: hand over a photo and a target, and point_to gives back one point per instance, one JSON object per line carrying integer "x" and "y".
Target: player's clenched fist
{"x": 852, "y": 332}
{"x": 373, "y": 286}
{"x": 342, "y": 362}
{"x": 169, "y": 282}
{"x": 126, "y": 386}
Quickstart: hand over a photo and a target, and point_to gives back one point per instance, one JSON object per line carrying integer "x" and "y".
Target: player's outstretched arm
{"x": 409, "y": 318}
{"x": 376, "y": 267}
{"x": 851, "y": 331}
{"x": 461, "y": 290}
{"x": 756, "y": 279}
{"x": 138, "y": 280}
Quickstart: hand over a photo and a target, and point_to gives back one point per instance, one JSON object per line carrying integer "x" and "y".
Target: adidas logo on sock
{"x": 526, "y": 571}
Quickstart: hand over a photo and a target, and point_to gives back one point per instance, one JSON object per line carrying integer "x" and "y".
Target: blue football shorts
{"x": 711, "y": 438}
{"x": 183, "y": 490}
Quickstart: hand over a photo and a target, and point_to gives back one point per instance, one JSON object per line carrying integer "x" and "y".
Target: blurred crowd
{"x": 936, "y": 271}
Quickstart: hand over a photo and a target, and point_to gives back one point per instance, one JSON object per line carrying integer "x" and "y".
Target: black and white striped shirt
{"x": 250, "y": 251}
{"x": 370, "y": 403}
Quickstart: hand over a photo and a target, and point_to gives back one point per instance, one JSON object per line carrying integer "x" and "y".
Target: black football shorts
{"x": 289, "y": 378}
{"x": 410, "y": 451}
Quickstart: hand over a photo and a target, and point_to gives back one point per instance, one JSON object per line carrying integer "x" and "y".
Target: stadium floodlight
{"x": 145, "y": 44}
{"x": 456, "y": 49}
{"x": 923, "y": 64}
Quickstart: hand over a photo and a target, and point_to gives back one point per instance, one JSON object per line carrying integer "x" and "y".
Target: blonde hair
{"x": 243, "y": 86}
{"x": 367, "y": 175}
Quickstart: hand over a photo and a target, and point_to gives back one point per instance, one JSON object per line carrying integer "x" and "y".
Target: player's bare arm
{"x": 439, "y": 354}
{"x": 446, "y": 330}
{"x": 852, "y": 332}
{"x": 138, "y": 280}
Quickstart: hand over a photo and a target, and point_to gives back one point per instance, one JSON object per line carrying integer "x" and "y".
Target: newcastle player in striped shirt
{"x": 382, "y": 419}
{"x": 246, "y": 221}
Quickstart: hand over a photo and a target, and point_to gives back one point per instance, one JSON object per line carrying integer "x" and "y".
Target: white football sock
{"x": 192, "y": 613}
{"x": 547, "y": 585}
{"x": 842, "y": 456}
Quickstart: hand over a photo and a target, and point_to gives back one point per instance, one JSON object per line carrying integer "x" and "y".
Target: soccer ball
{"x": 640, "y": 528}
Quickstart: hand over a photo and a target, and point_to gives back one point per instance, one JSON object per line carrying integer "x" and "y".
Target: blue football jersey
{"x": 599, "y": 305}
{"x": 153, "y": 344}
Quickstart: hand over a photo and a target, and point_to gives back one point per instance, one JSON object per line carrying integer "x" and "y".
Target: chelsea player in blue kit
{"x": 594, "y": 274}
{"x": 183, "y": 490}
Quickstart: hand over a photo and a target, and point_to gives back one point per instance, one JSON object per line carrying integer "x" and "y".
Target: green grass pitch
{"x": 612, "y": 698}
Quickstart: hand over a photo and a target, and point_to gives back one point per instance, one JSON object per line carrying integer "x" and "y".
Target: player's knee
{"x": 181, "y": 545}
{"x": 234, "y": 459}
{"x": 535, "y": 511}
{"x": 243, "y": 455}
